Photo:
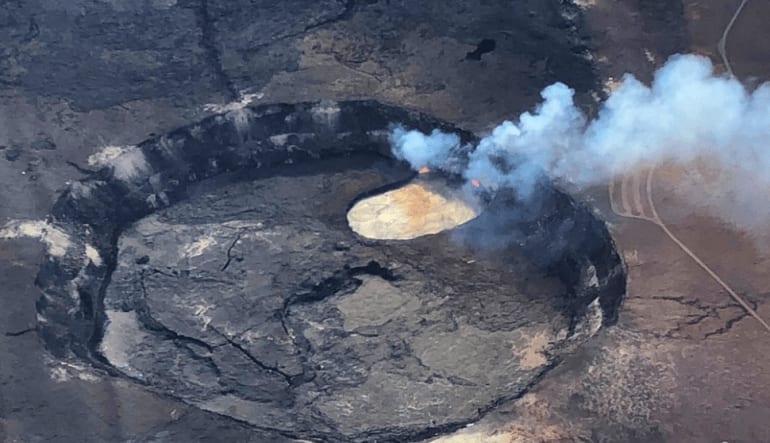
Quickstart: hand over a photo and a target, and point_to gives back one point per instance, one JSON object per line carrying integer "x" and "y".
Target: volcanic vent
{"x": 234, "y": 281}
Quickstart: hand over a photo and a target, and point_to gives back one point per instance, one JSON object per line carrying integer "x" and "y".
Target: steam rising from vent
{"x": 436, "y": 150}
{"x": 126, "y": 161}
{"x": 686, "y": 114}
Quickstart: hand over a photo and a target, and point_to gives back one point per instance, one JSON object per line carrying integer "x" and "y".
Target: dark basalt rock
{"x": 231, "y": 280}
{"x": 485, "y": 46}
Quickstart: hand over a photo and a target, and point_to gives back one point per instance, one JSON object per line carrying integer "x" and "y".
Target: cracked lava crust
{"x": 232, "y": 280}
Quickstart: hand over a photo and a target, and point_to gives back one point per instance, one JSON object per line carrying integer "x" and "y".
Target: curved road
{"x": 633, "y": 207}
{"x": 722, "y": 46}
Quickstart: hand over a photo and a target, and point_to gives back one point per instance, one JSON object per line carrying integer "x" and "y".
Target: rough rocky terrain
{"x": 683, "y": 363}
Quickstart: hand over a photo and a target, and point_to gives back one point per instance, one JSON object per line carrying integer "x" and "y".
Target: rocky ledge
{"x": 215, "y": 264}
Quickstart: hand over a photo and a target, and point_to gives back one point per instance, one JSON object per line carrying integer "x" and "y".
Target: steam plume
{"x": 688, "y": 112}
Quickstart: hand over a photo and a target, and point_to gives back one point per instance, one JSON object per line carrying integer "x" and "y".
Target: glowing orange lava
{"x": 424, "y": 170}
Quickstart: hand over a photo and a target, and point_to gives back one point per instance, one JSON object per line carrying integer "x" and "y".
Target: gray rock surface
{"x": 98, "y": 54}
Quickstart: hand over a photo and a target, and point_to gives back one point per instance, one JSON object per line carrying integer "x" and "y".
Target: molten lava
{"x": 424, "y": 170}
{"x": 417, "y": 209}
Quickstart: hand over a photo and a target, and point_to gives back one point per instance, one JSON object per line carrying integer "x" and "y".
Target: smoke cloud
{"x": 435, "y": 150}
{"x": 687, "y": 113}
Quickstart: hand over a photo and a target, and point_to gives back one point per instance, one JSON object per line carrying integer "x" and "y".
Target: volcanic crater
{"x": 228, "y": 275}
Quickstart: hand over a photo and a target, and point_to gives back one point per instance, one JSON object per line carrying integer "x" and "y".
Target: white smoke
{"x": 435, "y": 150}
{"x": 687, "y": 113}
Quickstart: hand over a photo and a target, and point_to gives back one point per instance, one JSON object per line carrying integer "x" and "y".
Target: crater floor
{"x": 255, "y": 299}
